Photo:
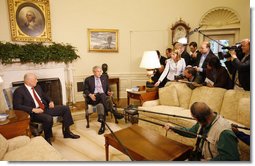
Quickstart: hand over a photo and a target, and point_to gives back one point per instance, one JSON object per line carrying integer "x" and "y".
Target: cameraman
{"x": 243, "y": 66}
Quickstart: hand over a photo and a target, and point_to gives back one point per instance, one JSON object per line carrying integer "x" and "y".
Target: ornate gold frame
{"x": 103, "y": 40}
{"x": 39, "y": 29}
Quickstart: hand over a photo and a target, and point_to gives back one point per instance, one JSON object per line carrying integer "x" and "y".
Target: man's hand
{"x": 93, "y": 97}
{"x": 37, "y": 110}
{"x": 168, "y": 126}
{"x": 51, "y": 104}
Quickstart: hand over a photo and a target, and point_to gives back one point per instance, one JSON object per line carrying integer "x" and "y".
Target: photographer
{"x": 243, "y": 66}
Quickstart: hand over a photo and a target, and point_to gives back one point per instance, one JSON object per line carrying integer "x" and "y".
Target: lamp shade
{"x": 1, "y": 80}
{"x": 150, "y": 60}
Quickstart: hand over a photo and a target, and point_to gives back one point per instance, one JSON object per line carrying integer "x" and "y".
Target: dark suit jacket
{"x": 210, "y": 55}
{"x": 186, "y": 56}
{"x": 22, "y": 99}
{"x": 89, "y": 85}
{"x": 243, "y": 72}
{"x": 222, "y": 79}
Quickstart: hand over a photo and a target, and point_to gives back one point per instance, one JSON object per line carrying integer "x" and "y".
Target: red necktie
{"x": 41, "y": 105}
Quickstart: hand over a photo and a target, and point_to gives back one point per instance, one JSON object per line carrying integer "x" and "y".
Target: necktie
{"x": 41, "y": 105}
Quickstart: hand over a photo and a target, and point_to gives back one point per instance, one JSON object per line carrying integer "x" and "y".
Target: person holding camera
{"x": 243, "y": 65}
{"x": 215, "y": 139}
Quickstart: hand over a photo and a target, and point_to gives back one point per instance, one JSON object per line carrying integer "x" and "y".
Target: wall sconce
{"x": 150, "y": 62}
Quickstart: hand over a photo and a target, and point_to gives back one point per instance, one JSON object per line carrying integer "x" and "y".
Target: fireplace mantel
{"x": 15, "y": 72}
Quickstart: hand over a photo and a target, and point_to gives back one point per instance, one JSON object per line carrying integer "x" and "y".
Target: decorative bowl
{"x": 3, "y": 117}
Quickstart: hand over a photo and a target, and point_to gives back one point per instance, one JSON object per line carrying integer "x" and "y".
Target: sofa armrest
{"x": 150, "y": 103}
{"x": 17, "y": 142}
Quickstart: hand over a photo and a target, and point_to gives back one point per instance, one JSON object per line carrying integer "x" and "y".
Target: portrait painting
{"x": 30, "y": 20}
{"x": 103, "y": 40}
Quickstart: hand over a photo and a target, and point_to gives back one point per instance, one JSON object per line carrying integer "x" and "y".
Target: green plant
{"x": 37, "y": 53}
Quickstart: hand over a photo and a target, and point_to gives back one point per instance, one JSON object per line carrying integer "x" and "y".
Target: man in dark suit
{"x": 203, "y": 58}
{"x": 96, "y": 90}
{"x": 243, "y": 66}
{"x": 31, "y": 99}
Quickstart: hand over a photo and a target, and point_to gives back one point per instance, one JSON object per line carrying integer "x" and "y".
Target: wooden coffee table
{"x": 144, "y": 144}
{"x": 18, "y": 124}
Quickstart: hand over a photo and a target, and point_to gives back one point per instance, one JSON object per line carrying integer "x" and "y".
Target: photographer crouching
{"x": 243, "y": 65}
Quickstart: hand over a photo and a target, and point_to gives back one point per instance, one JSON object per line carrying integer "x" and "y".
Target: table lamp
{"x": 150, "y": 62}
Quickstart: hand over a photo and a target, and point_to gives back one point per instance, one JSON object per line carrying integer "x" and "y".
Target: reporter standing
{"x": 243, "y": 66}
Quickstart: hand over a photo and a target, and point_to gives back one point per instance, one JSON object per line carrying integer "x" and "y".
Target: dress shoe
{"x": 101, "y": 130}
{"x": 71, "y": 135}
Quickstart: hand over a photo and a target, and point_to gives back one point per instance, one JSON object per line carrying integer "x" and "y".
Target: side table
{"x": 142, "y": 96}
{"x": 18, "y": 124}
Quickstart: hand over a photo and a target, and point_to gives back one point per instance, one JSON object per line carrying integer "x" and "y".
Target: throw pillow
{"x": 168, "y": 96}
{"x": 3, "y": 146}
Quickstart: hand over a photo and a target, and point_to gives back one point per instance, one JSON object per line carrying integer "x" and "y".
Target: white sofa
{"x": 176, "y": 99}
{"x": 22, "y": 148}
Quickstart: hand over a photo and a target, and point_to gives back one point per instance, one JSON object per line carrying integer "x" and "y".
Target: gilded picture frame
{"x": 30, "y": 20}
{"x": 103, "y": 40}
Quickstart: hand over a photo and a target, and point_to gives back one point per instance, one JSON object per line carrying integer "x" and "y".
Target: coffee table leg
{"x": 106, "y": 149}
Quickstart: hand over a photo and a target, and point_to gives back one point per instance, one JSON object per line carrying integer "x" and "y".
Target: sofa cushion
{"x": 3, "y": 146}
{"x": 243, "y": 111}
{"x": 168, "y": 96}
{"x": 213, "y": 97}
{"x": 230, "y": 103}
{"x": 184, "y": 93}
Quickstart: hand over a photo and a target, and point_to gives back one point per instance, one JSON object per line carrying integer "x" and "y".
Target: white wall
{"x": 142, "y": 24}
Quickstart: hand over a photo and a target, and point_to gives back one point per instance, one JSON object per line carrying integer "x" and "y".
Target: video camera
{"x": 237, "y": 48}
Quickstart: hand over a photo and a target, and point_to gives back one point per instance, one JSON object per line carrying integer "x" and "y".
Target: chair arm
{"x": 17, "y": 142}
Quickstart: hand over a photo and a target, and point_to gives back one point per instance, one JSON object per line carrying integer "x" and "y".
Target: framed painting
{"x": 30, "y": 20}
{"x": 103, "y": 40}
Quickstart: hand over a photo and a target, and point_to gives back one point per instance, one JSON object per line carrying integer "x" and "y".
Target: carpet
{"x": 90, "y": 147}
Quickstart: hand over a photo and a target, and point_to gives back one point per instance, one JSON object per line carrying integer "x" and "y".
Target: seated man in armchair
{"x": 96, "y": 90}
{"x": 31, "y": 99}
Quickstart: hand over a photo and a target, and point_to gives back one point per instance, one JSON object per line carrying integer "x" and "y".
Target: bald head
{"x": 201, "y": 111}
{"x": 30, "y": 79}
{"x": 245, "y": 44}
